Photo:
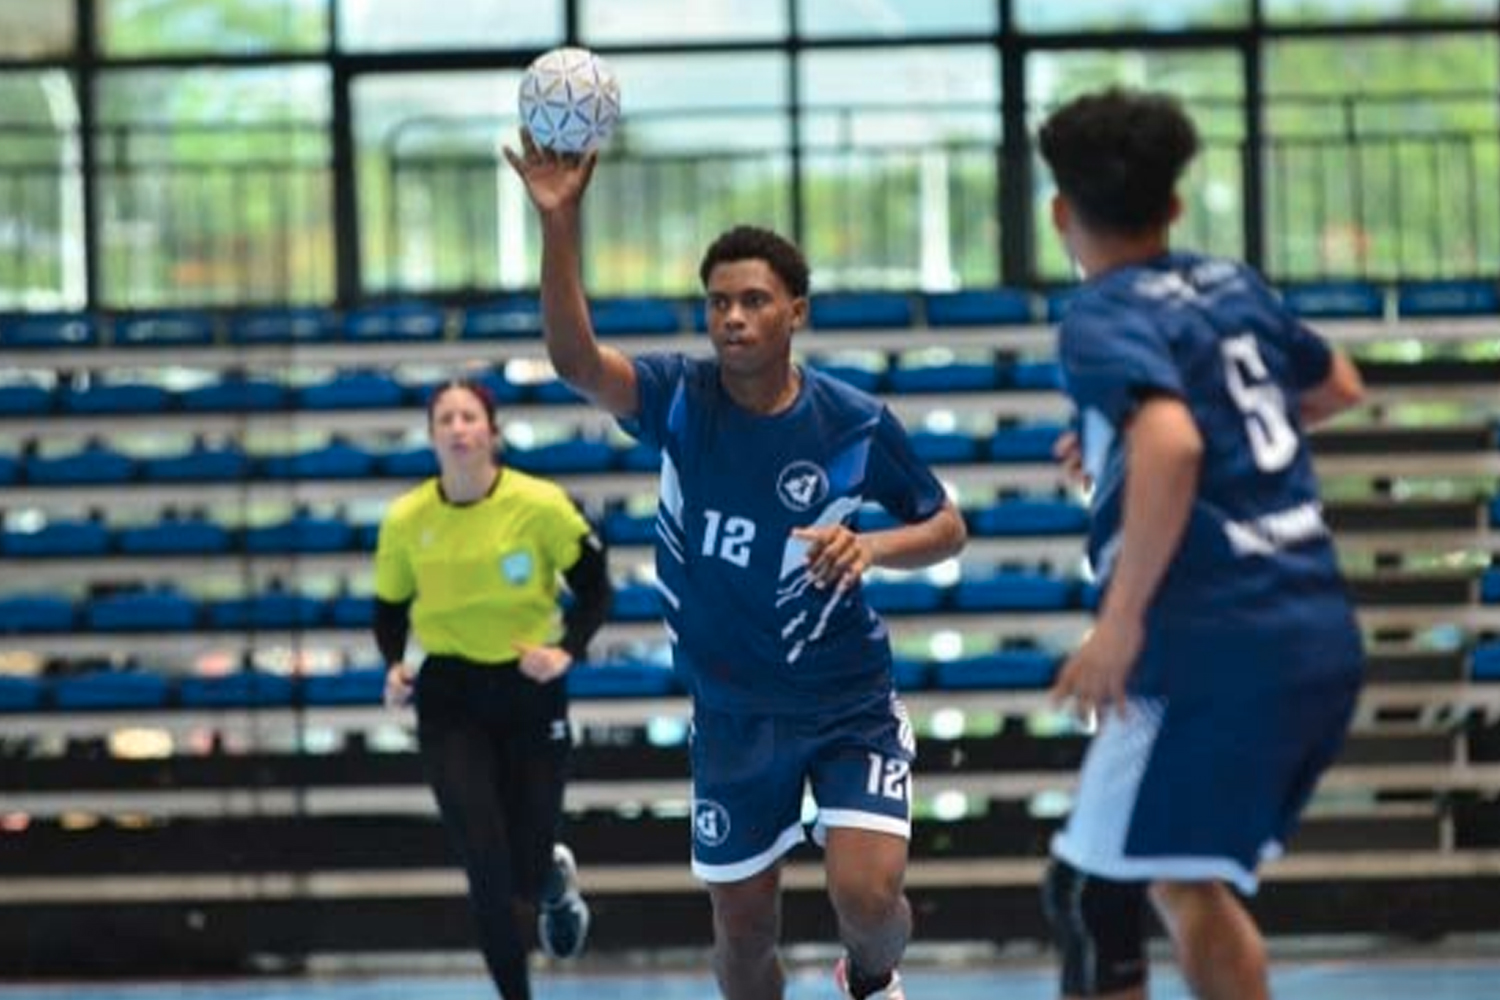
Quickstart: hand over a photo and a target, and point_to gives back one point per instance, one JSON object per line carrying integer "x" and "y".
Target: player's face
{"x": 461, "y": 431}
{"x": 751, "y": 315}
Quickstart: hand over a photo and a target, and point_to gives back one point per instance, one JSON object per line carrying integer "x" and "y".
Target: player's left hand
{"x": 543, "y": 664}
{"x": 1094, "y": 677}
{"x": 836, "y": 556}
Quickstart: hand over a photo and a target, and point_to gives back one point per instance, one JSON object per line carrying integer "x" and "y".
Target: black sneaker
{"x": 563, "y": 917}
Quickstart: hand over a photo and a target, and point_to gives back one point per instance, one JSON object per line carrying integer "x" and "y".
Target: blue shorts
{"x": 1193, "y": 789}
{"x": 750, "y": 772}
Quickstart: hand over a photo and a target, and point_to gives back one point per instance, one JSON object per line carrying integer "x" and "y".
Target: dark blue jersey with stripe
{"x": 750, "y": 631}
{"x": 1257, "y": 554}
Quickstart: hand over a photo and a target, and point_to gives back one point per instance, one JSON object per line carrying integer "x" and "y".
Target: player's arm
{"x": 1164, "y": 455}
{"x": 838, "y": 555}
{"x": 556, "y": 184}
{"x": 1342, "y": 389}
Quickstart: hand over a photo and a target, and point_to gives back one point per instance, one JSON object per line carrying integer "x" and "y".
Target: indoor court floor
{"x": 1342, "y": 979}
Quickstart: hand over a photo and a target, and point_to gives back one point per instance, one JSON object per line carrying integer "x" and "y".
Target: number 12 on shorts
{"x": 889, "y": 777}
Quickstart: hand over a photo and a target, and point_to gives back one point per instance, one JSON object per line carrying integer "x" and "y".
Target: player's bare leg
{"x": 747, "y": 926}
{"x": 866, "y": 883}
{"x": 1219, "y": 948}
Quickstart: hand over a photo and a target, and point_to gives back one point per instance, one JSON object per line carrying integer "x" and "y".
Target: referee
{"x": 472, "y": 561}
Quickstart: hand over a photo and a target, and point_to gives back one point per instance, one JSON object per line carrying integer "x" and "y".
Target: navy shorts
{"x": 750, "y": 773}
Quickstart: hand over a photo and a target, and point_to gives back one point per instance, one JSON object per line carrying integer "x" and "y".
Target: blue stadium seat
{"x": 1008, "y": 669}
{"x": 351, "y": 611}
{"x": 867, "y": 379}
{"x": 143, "y": 611}
{"x": 202, "y": 464}
{"x": 235, "y": 394}
{"x": 910, "y": 674}
{"x": 419, "y": 462}
{"x": 1029, "y": 517}
{"x": 1454, "y": 297}
{"x": 163, "y": 329}
{"x": 514, "y": 317}
{"x": 1486, "y": 661}
{"x": 624, "y": 316}
{"x": 355, "y": 686}
{"x": 246, "y": 689}
{"x": 118, "y": 398}
{"x": 554, "y": 392}
{"x": 24, "y": 399}
{"x": 1335, "y": 300}
{"x": 636, "y": 602}
{"x": 937, "y": 447}
{"x": 186, "y": 536}
{"x": 1014, "y": 590}
{"x": 395, "y": 321}
{"x": 308, "y": 325}
{"x": 48, "y": 330}
{"x": 302, "y": 533}
{"x": 860, "y": 310}
{"x": 58, "y": 538}
{"x": 95, "y": 463}
{"x": 1036, "y": 375}
{"x": 36, "y": 613}
{"x": 502, "y": 389}
{"x": 277, "y": 609}
{"x": 1489, "y": 586}
{"x": 10, "y": 469}
{"x": 957, "y": 377}
{"x": 621, "y": 528}
{"x": 110, "y": 689}
{"x": 621, "y": 679}
{"x": 640, "y": 458}
{"x": 1495, "y": 512}
{"x": 904, "y": 597}
{"x": 1030, "y": 442}
{"x": 367, "y": 536}
{"x": 352, "y": 390}
{"x": 21, "y": 694}
{"x": 337, "y": 460}
{"x": 577, "y": 455}
{"x": 979, "y": 307}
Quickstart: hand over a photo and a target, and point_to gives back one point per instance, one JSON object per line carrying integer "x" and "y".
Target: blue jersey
{"x": 750, "y": 632}
{"x": 1256, "y": 554}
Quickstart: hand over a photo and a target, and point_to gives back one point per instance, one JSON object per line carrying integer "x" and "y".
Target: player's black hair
{"x": 1117, "y": 156}
{"x": 754, "y": 243}
{"x": 480, "y": 392}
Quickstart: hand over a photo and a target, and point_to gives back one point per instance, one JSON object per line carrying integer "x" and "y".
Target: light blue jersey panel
{"x": 751, "y": 633}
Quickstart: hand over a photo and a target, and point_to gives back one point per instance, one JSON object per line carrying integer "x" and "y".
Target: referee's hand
{"x": 398, "y": 685}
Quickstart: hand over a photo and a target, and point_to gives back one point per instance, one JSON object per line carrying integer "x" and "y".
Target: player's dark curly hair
{"x": 1117, "y": 156}
{"x": 754, "y": 243}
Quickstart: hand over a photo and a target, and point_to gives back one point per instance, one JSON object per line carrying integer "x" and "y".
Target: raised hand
{"x": 554, "y": 181}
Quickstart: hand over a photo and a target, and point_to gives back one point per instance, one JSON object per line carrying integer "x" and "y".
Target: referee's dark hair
{"x": 1117, "y": 156}
{"x": 480, "y": 392}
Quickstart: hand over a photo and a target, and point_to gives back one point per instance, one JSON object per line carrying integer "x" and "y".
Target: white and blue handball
{"x": 570, "y": 100}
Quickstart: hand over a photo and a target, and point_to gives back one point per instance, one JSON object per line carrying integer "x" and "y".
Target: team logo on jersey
{"x": 516, "y": 567}
{"x": 802, "y": 485}
{"x": 710, "y": 822}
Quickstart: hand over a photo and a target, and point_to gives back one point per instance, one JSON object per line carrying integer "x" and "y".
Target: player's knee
{"x": 745, "y": 920}
{"x": 869, "y": 901}
{"x": 1097, "y": 927}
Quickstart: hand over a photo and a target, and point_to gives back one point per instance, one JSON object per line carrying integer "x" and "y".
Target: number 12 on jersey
{"x": 728, "y": 538}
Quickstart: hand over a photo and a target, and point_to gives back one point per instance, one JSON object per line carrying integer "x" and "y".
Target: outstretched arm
{"x": 556, "y": 183}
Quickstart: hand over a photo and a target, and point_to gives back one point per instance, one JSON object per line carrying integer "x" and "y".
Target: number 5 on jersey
{"x": 1273, "y": 440}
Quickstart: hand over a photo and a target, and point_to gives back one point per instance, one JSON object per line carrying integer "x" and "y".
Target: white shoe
{"x": 891, "y": 991}
{"x": 562, "y": 922}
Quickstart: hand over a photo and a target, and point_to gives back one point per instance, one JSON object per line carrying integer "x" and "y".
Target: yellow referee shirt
{"x": 483, "y": 576}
